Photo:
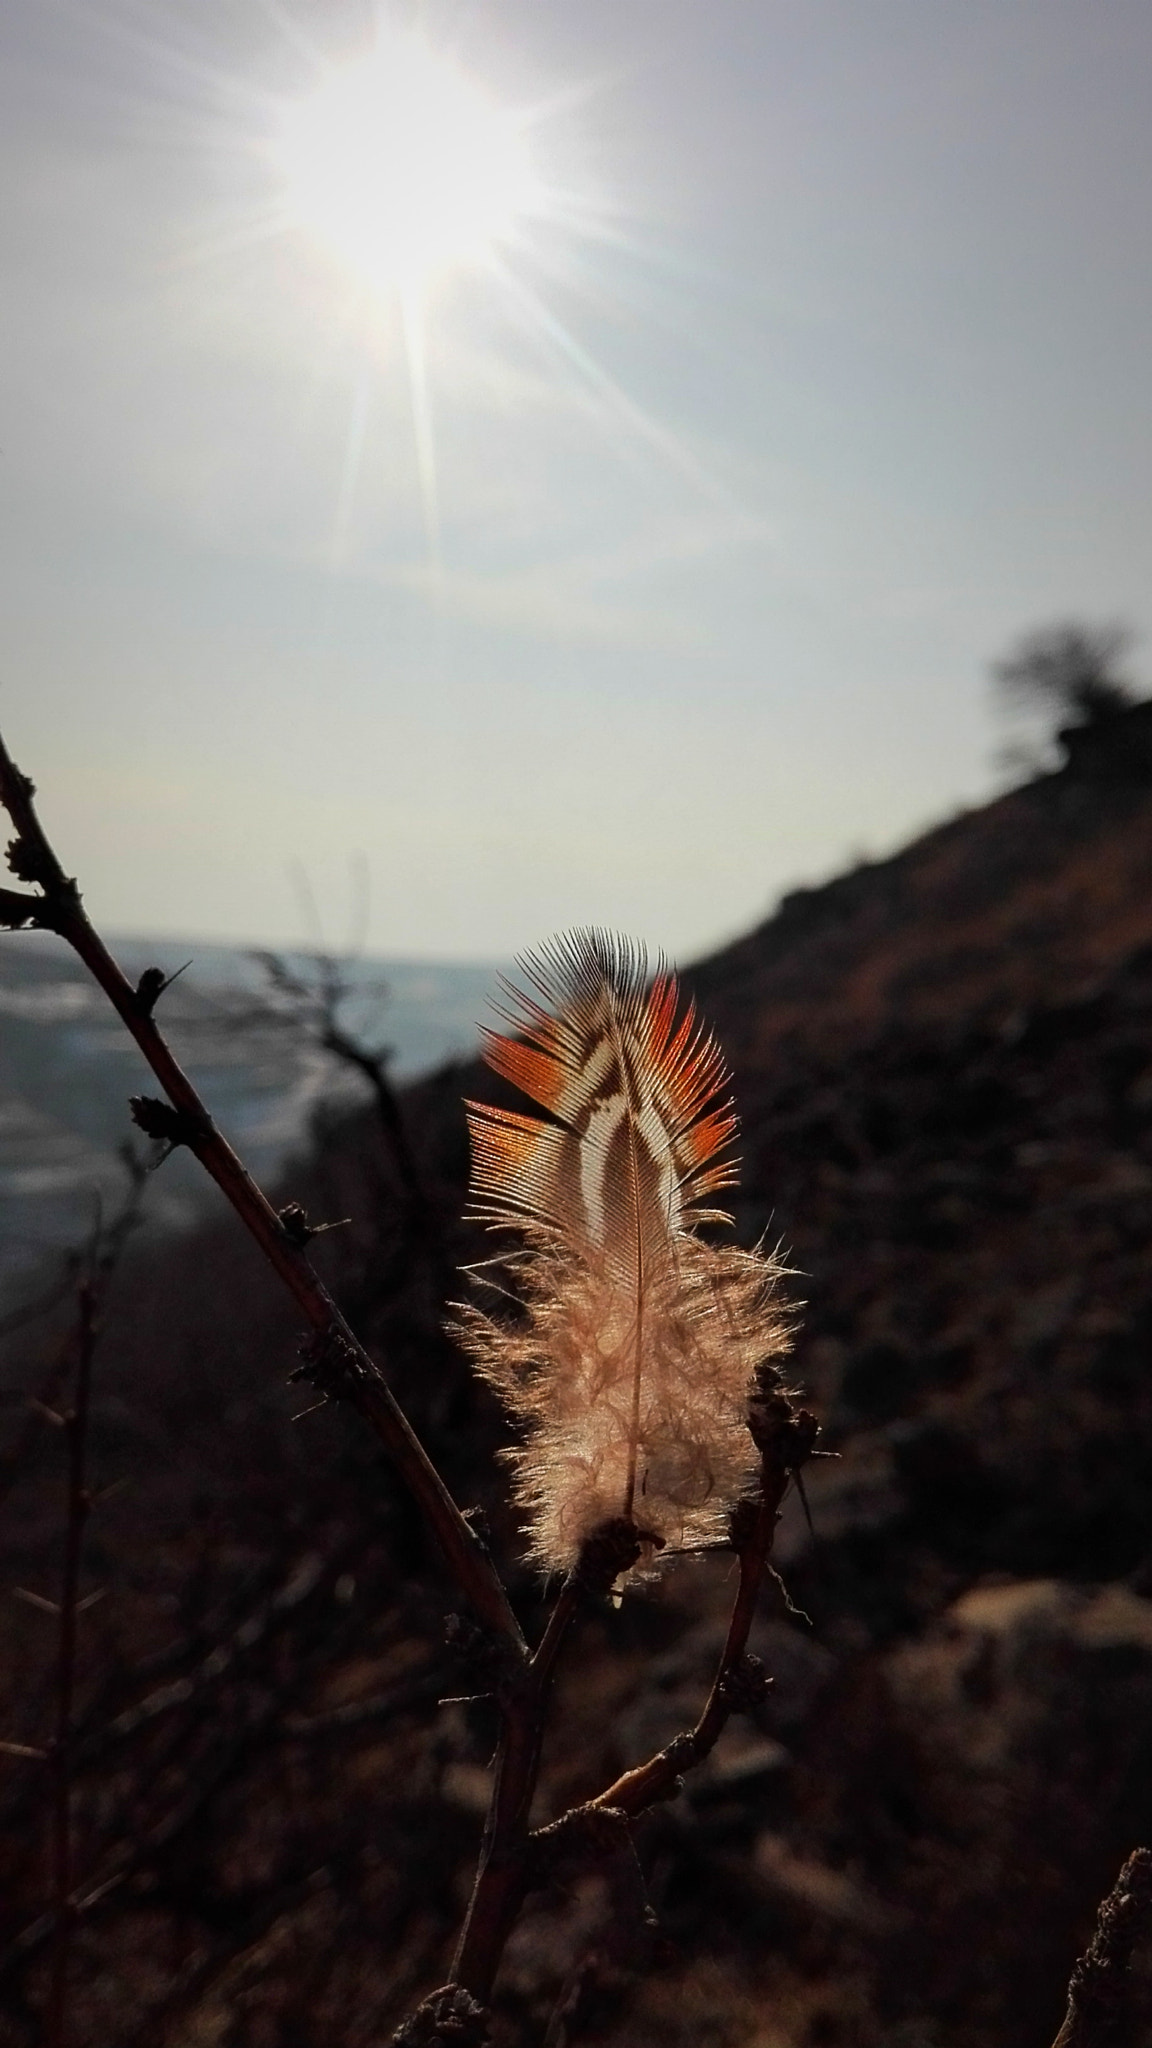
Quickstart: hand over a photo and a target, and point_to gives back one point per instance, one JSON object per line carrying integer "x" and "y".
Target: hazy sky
{"x": 822, "y": 373}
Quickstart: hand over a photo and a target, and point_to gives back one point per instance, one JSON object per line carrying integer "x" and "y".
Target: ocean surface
{"x": 250, "y": 1043}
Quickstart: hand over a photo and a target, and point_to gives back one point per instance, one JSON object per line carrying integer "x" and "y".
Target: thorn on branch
{"x": 51, "y": 1415}
{"x": 38, "y": 1600}
{"x": 313, "y": 1408}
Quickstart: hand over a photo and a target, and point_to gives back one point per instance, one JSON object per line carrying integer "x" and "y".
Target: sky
{"x": 633, "y": 567}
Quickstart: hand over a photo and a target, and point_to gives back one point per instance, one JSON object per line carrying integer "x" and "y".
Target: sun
{"x": 404, "y": 167}
{"x": 411, "y": 174}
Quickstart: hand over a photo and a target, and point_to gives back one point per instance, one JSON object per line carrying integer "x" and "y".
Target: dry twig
{"x": 100, "y": 1259}
{"x": 318, "y": 1005}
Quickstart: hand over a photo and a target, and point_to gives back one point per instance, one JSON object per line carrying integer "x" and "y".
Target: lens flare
{"x": 404, "y": 168}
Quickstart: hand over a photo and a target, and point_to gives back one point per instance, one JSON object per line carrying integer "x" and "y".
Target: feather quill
{"x": 629, "y": 1365}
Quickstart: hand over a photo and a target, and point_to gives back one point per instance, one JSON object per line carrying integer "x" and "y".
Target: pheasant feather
{"x": 629, "y": 1365}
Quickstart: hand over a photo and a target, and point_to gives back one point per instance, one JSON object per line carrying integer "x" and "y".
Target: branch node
{"x": 329, "y": 1364}
{"x": 487, "y": 1657}
{"x": 17, "y": 911}
{"x": 152, "y": 984}
{"x": 449, "y": 2018}
{"x": 743, "y": 1524}
{"x": 22, "y": 861}
{"x": 680, "y": 1754}
{"x": 612, "y": 1549}
{"x": 149, "y": 990}
{"x": 783, "y": 1434}
{"x": 745, "y": 1684}
{"x": 166, "y": 1125}
{"x": 30, "y": 860}
{"x": 295, "y": 1225}
{"x": 480, "y": 1526}
{"x": 297, "y": 1229}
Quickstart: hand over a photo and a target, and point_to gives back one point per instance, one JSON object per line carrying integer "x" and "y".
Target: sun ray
{"x": 616, "y": 400}
{"x": 412, "y": 317}
{"x": 351, "y": 466}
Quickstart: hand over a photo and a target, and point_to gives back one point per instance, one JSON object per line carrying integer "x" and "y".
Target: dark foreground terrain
{"x": 944, "y": 1068}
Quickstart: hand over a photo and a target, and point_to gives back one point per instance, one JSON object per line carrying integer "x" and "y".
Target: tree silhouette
{"x": 1070, "y": 671}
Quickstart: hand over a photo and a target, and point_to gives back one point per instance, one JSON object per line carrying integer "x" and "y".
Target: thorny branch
{"x": 786, "y": 1440}
{"x": 1105, "y": 2006}
{"x": 514, "y": 1860}
{"x": 335, "y": 1362}
{"x": 503, "y": 1875}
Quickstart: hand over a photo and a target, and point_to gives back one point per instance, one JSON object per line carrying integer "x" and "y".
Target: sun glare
{"x": 407, "y": 171}
{"x": 404, "y": 167}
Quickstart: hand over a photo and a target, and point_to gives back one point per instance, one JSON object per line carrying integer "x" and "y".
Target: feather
{"x": 630, "y": 1363}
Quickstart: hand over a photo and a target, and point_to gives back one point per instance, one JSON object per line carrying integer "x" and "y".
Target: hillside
{"x": 1026, "y": 901}
{"x": 944, "y": 1067}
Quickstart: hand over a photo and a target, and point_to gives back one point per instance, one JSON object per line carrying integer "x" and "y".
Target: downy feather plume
{"x": 628, "y": 1365}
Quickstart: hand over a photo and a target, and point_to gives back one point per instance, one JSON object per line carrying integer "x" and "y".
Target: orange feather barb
{"x": 631, "y": 1359}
